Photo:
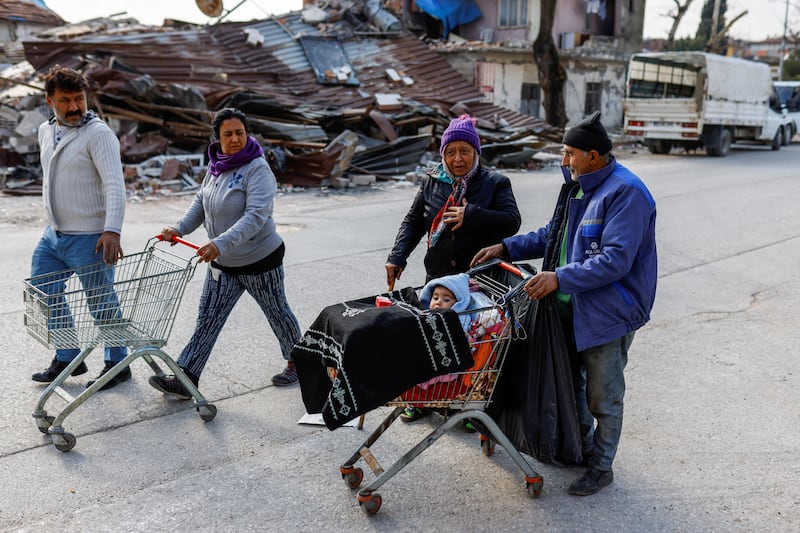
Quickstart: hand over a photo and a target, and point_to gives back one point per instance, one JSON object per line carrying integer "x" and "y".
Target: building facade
{"x": 595, "y": 39}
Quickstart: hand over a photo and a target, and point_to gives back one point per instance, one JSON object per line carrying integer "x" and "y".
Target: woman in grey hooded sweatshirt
{"x": 245, "y": 253}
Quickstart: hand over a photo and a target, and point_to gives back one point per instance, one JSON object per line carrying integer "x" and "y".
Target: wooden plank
{"x": 128, "y": 114}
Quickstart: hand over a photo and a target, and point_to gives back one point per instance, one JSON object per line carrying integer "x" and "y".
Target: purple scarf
{"x": 219, "y": 162}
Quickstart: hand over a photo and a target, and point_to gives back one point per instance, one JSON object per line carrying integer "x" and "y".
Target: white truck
{"x": 700, "y": 100}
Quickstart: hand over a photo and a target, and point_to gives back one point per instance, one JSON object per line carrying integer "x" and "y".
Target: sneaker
{"x": 124, "y": 375}
{"x": 170, "y": 385}
{"x": 287, "y": 376}
{"x": 591, "y": 481}
{"x": 56, "y": 367}
{"x": 413, "y": 413}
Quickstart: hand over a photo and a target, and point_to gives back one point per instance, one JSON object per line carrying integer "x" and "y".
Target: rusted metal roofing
{"x": 21, "y": 11}
{"x": 302, "y": 84}
{"x": 218, "y": 58}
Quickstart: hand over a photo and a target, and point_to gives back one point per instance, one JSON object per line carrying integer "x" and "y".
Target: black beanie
{"x": 589, "y": 134}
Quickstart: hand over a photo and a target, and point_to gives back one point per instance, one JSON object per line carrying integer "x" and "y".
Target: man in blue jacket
{"x": 600, "y": 264}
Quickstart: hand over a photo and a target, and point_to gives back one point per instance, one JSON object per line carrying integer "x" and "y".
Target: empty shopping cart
{"x": 80, "y": 309}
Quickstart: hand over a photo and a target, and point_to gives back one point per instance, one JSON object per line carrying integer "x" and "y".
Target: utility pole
{"x": 783, "y": 42}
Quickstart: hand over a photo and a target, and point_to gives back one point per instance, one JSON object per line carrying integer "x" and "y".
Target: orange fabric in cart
{"x": 480, "y": 356}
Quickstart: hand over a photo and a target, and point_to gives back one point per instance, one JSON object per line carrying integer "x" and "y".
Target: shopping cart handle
{"x": 177, "y": 239}
{"x": 519, "y": 272}
{"x": 511, "y": 268}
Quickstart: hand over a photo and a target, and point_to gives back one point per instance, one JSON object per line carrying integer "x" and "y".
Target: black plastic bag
{"x": 534, "y": 402}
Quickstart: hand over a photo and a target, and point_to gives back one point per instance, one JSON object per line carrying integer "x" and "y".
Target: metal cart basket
{"x": 133, "y": 304}
{"x": 460, "y": 396}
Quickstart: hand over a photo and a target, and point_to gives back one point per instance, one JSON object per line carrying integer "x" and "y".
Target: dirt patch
{"x": 23, "y": 211}
{"x": 28, "y": 211}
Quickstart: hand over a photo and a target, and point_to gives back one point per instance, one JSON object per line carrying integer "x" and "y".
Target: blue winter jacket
{"x": 611, "y": 268}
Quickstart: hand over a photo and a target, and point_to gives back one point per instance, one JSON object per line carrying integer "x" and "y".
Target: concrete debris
{"x": 338, "y": 95}
{"x": 29, "y": 123}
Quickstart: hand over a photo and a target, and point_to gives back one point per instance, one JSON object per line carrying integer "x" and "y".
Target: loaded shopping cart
{"x": 464, "y": 394}
{"x": 132, "y": 304}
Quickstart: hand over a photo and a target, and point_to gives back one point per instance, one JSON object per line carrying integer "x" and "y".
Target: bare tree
{"x": 676, "y": 20}
{"x": 715, "y": 41}
{"x": 552, "y": 75}
{"x": 712, "y": 20}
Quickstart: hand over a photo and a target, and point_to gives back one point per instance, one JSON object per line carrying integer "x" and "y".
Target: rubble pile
{"x": 337, "y": 95}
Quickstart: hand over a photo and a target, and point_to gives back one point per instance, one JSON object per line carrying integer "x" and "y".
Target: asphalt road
{"x": 712, "y": 426}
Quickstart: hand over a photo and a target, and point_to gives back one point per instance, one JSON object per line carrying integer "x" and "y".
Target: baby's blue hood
{"x": 459, "y": 286}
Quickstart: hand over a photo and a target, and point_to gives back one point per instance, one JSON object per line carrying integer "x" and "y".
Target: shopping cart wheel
{"x": 534, "y": 487}
{"x": 64, "y": 442}
{"x": 207, "y": 412}
{"x": 487, "y": 445}
{"x": 370, "y": 503}
{"x": 44, "y": 423}
{"x": 352, "y": 476}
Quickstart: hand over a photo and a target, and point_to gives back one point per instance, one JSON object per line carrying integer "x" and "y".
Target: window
{"x": 661, "y": 80}
{"x": 530, "y": 99}
{"x": 484, "y": 77}
{"x": 593, "y": 92}
{"x": 513, "y": 13}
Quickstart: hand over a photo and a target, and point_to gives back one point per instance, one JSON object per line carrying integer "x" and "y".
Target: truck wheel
{"x": 721, "y": 145}
{"x": 777, "y": 141}
{"x": 787, "y": 135}
{"x": 659, "y": 147}
{"x": 724, "y": 142}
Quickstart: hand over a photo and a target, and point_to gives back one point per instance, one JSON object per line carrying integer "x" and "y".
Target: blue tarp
{"x": 452, "y": 13}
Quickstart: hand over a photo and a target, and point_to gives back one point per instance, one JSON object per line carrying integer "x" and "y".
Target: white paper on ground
{"x": 316, "y": 420}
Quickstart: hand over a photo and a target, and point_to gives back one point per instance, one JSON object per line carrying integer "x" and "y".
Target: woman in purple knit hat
{"x": 461, "y": 206}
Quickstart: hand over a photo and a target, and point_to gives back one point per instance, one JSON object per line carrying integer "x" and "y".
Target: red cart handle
{"x": 511, "y": 268}
{"x": 190, "y": 244}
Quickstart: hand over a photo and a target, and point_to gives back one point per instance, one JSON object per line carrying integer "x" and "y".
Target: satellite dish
{"x": 210, "y": 8}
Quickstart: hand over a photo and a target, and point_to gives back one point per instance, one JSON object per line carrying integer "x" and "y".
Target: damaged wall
{"x": 513, "y": 67}
{"x": 594, "y": 48}
{"x": 609, "y": 73}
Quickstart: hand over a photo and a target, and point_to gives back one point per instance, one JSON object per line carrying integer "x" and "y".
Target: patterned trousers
{"x": 220, "y": 293}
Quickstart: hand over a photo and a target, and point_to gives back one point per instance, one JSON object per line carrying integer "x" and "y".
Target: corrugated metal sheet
{"x": 218, "y": 57}
{"x": 19, "y": 11}
{"x": 275, "y": 83}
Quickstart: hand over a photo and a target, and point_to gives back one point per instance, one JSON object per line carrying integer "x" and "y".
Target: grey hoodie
{"x": 236, "y": 210}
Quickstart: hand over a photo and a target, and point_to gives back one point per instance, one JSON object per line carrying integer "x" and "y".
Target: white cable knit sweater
{"x": 83, "y": 187}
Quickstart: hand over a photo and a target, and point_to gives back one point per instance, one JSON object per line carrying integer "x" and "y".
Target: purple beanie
{"x": 461, "y": 129}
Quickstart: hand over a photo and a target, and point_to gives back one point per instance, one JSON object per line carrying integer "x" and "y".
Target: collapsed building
{"x": 332, "y": 94}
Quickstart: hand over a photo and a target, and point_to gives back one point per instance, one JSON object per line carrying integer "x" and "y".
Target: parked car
{"x": 789, "y": 96}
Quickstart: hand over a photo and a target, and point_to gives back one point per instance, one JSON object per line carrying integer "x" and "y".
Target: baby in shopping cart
{"x": 449, "y": 292}
{"x": 456, "y": 292}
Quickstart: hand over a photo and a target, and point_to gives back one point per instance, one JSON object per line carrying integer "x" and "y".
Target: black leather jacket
{"x": 491, "y": 216}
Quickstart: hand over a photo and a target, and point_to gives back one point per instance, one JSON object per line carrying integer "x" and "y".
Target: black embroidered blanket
{"x": 356, "y": 357}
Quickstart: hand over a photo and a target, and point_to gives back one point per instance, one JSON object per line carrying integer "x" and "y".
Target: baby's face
{"x": 442, "y": 298}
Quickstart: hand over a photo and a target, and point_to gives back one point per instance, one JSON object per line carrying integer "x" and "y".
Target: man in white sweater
{"x": 84, "y": 200}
